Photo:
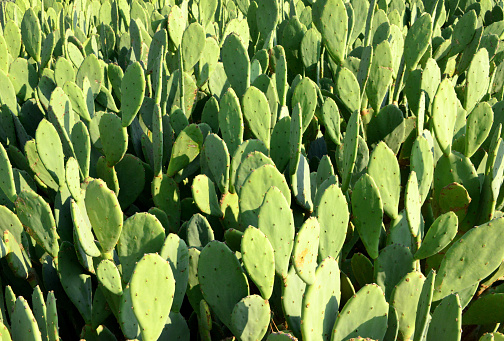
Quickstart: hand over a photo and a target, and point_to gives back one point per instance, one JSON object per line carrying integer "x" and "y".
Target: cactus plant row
{"x": 252, "y": 170}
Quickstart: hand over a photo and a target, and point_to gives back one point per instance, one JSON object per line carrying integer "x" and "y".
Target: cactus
{"x": 75, "y": 282}
{"x": 481, "y": 260}
{"x": 440, "y": 234}
{"x": 386, "y": 275}
{"x": 350, "y": 143}
{"x": 367, "y": 202}
{"x": 109, "y": 276}
{"x": 130, "y": 249}
{"x": 175, "y": 251}
{"x": 257, "y": 114}
{"x": 405, "y": 299}
{"x": 447, "y": 319}
{"x": 24, "y": 325}
{"x": 321, "y": 302}
{"x": 255, "y": 188}
{"x": 353, "y": 320}
{"x": 36, "y": 215}
{"x": 186, "y": 148}
{"x": 152, "y": 288}
{"x": 104, "y": 214}
{"x": 250, "y": 318}
{"x": 192, "y": 45}
{"x": 218, "y": 268}
{"x": 258, "y": 260}
{"x": 132, "y": 92}
{"x": 206, "y": 120}
{"x": 333, "y": 224}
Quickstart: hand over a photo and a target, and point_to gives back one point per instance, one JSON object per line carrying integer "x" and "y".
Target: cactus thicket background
{"x": 252, "y": 169}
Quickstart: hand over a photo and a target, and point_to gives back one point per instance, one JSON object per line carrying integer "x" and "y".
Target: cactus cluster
{"x": 259, "y": 170}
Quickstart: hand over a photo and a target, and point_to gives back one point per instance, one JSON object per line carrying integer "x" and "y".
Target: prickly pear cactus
{"x": 258, "y": 170}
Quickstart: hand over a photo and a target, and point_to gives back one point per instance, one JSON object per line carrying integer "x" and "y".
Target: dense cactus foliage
{"x": 263, "y": 170}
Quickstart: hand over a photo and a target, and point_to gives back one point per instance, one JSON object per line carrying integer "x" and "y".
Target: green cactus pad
{"x": 31, "y": 34}
{"x": 362, "y": 269}
{"x": 218, "y": 161}
{"x": 82, "y": 147}
{"x": 258, "y": 259}
{"x": 277, "y": 223}
{"x": 75, "y": 281}
{"x": 440, "y": 234}
{"x": 7, "y": 185}
{"x": 331, "y": 19}
{"x": 380, "y": 75}
{"x": 64, "y": 72}
{"x": 479, "y": 124}
{"x": 257, "y": 114}
{"x": 152, "y": 288}
{"x": 104, "y": 214}
{"x": 142, "y": 233}
{"x": 280, "y": 336}
{"x": 321, "y": 302}
{"x": 305, "y": 93}
{"x": 222, "y": 280}
{"x": 132, "y": 92}
{"x": 253, "y": 161}
{"x": 393, "y": 263}
{"x": 422, "y": 163}
{"x": 127, "y": 319}
{"x": 72, "y": 178}
{"x": 424, "y": 306}
{"x": 17, "y": 260}
{"x": 484, "y": 310}
{"x": 404, "y": 299}
{"x": 387, "y": 125}
{"x": 192, "y": 45}
{"x": 166, "y": 196}
{"x": 36, "y": 215}
{"x": 114, "y": 138}
{"x": 446, "y": 323}
{"x": 280, "y": 137}
{"x": 388, "y": 182}
{"x": 477, "y": 79}
{"x": 52, "y": 317}
{"x": 417, "y": 41}
{"x": 255, "y": 188}
{"x": 4, "y": 55}
{"x": 24, "y": 78}
{"x": 197, "y": 232}
{"x": 444, "y": 112}
{"x": 357, "y": 319}
{"x": 186, "y": 148}
{"x": 107, "y": 174}
{"x": 305, "y": 252}
{"x": 91, "y": 69}
{"x": 413, "y": 205}
{"x": 239, "y": 156}
{"x": 50, "y": 150}
{"x": 350, "y": 143}
{"x": 205, "y": 196}
{"x": 24, "y": 326}
{"x": 236, "y": 63}
{"x": 333, "y": 216}
{"x": 175, "y": 251}
{"x": 473, "y": 257}
{"x": 348, "y": 89}
{"x": 367, "y": 210}
{"x": 293, "y": 290}
{"x": 109, "y": 276}
{"x": 250, "y": 318}
{"x": 83, "y": 231}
